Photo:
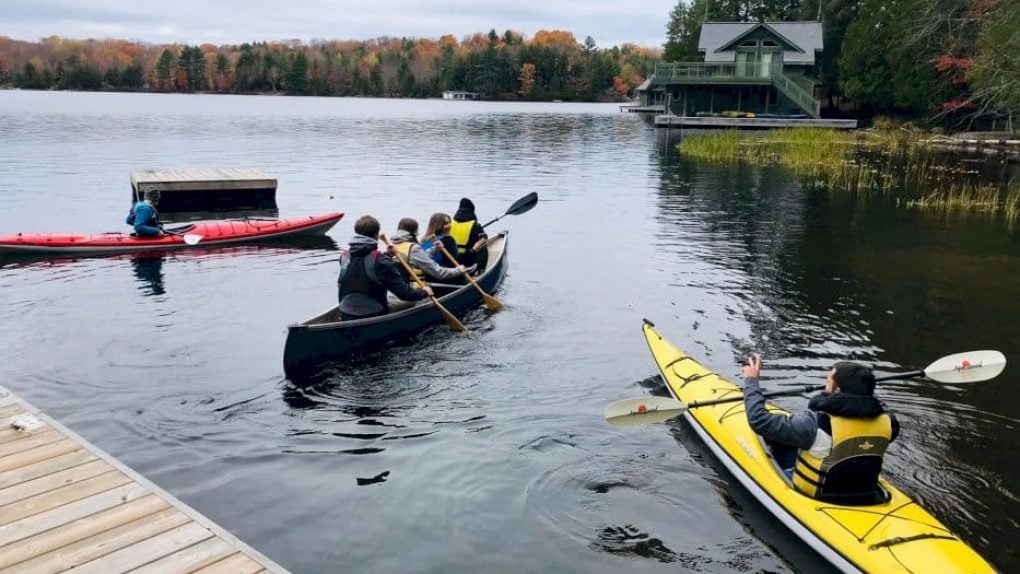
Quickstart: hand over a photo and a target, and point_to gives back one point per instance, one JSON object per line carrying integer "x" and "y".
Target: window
{"x": 769, "y": 44}
{"x": 750, "y": 44}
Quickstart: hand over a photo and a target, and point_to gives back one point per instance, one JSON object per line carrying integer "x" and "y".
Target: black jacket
{"x": 365, "y": 277}
{"x": 477, "y": 232}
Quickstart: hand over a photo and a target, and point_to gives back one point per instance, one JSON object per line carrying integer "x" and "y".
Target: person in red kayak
{"x": 144, "y": 217}
{"x": 834, "y": 450}
{"x": 366, "y": 275}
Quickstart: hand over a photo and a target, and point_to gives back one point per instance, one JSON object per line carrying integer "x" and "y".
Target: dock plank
{"x": 65, "y": 495}
{"x": 190, "y": 559}
{"x": 65, "y": 505}
{"x": 52, "y": 481}
{"x": 15, "y": 531}
{"x": 30, "y": 440}
{"x": 95, "y": 548}
{"x": 44, "y": 467}
{"x": 27, "y": 457}
{"x": 234, "y": 564}
{"x": 146, "y": 551}
{"x": 37, "y": 546}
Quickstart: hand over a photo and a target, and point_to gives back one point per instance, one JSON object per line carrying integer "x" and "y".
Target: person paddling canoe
{"x": 834, "y": 450}
{"x": 405, "y": 241}
{"x": 367, "y": 274}
{"x": 470, "y": 236}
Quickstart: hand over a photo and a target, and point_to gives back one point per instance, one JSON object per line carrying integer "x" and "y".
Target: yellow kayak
{"x": 897, "y": 536}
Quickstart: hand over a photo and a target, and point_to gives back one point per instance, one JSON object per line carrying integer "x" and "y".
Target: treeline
{"x": 551, "y": 65}
{"x": 945, "y": 60}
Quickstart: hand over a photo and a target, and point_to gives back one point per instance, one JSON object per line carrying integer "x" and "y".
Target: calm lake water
{"x": 497, "y": 455}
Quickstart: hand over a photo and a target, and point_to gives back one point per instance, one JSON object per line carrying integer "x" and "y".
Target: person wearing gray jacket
{"x": 406, "y": 243}
{"x": 834, "y": 450}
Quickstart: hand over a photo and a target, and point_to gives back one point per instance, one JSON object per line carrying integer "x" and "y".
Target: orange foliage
{"x": 555, "y": 39}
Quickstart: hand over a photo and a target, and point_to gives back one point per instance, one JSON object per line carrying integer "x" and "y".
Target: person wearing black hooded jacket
{"x": 366, "y": 275}
{"x": 470, "y": 236}
{"x": 834, "y": 450}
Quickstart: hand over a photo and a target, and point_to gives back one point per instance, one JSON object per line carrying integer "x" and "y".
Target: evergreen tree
{"x": 996, "y": 70}
{"x": 683, "y": 32}
{"x": 297, "y": 77}
{"x": 165, "y": 70}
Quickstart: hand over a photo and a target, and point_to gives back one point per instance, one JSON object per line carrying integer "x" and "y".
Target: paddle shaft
{"x": 491, "y": 302}
{"x": 452, "y": 321}
{"x": 804, "y": 389}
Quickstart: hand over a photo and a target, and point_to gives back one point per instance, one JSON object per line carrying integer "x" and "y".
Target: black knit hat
{"x": 465, "y": 204}
{"x": 854, "y": 378}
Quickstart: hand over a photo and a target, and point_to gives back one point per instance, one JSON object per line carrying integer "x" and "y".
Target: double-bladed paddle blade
{"x": 643, "y": 410}
{"x": 970, "y": 367}
{"x": 189, "y": 238}
{"x": 520, "y": 206}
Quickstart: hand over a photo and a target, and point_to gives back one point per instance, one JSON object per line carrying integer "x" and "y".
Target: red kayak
{"x": 199, "y": 234}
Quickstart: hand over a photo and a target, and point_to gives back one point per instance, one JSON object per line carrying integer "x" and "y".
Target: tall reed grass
{"x": 890, "y": 162}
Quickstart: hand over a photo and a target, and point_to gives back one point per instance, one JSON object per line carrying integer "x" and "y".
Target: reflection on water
{"x": 489, "y": 452}
{"x": 149, "y": 271}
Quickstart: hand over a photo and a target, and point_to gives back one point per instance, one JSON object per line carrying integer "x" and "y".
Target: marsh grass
{"x": 889, "y": 162}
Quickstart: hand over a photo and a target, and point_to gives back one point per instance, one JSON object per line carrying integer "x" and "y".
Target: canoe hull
{"x": 212, "y": 233}
{"x": 895, "y": 536}
{"x": 325, "y": 339}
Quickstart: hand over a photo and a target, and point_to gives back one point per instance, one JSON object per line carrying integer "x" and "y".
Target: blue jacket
{"x": 145, "y": 219}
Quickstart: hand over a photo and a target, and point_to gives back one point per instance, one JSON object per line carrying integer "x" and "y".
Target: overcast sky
{"x": 609, "y": 22}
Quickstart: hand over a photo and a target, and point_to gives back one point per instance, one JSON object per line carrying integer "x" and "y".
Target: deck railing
{"x": 667, "y": 71}
{"x": 796, "y": 92}
{"x": 742, "y": 73}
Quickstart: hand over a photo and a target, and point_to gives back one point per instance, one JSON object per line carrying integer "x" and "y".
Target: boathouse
{"x": 458, "y": 95}
{"x": 751, "y": 70}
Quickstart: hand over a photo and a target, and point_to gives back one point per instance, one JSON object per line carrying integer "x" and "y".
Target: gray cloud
{"x": 610, "y": 23}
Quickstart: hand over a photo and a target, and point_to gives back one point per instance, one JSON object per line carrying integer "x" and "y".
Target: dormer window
{"x": 769, "y": 44}
{"x": 750, "y": 44}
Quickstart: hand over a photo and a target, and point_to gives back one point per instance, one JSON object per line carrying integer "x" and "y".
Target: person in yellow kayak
{"x": 470, "y": 236}
{"x": 144, "y": 217}
{"x": 834, "y": 450}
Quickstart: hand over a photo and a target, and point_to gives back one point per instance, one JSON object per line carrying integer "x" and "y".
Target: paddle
{"x": 491, "y": 302}
{"x": 520, "y": 206}
{"x": 960, "y": 368}
{"x": 452, "y": 321}
{"x": 189, "y": 238}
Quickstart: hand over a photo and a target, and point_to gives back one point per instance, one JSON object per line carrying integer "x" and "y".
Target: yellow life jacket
{"x": 461, "y": 233}
{"x": 404, "y": 249}
{"x": 853, "y": 464}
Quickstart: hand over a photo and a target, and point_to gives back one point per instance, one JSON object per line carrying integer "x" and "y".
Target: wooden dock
{"x": 699, "y": 122}
{"x": 650, "y": 109}
{"x": 202, "y": 189}
{"x": 67, "y": 506}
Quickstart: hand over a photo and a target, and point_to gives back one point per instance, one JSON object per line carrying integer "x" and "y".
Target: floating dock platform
{"x": 65, "y": 505}
{"x": 207, "y": 189}
{"x": 640, "y": 109}
{"x": 756, "y": 123}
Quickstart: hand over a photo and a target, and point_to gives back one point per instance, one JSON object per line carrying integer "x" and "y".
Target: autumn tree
{"x": 527, "y": 79}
